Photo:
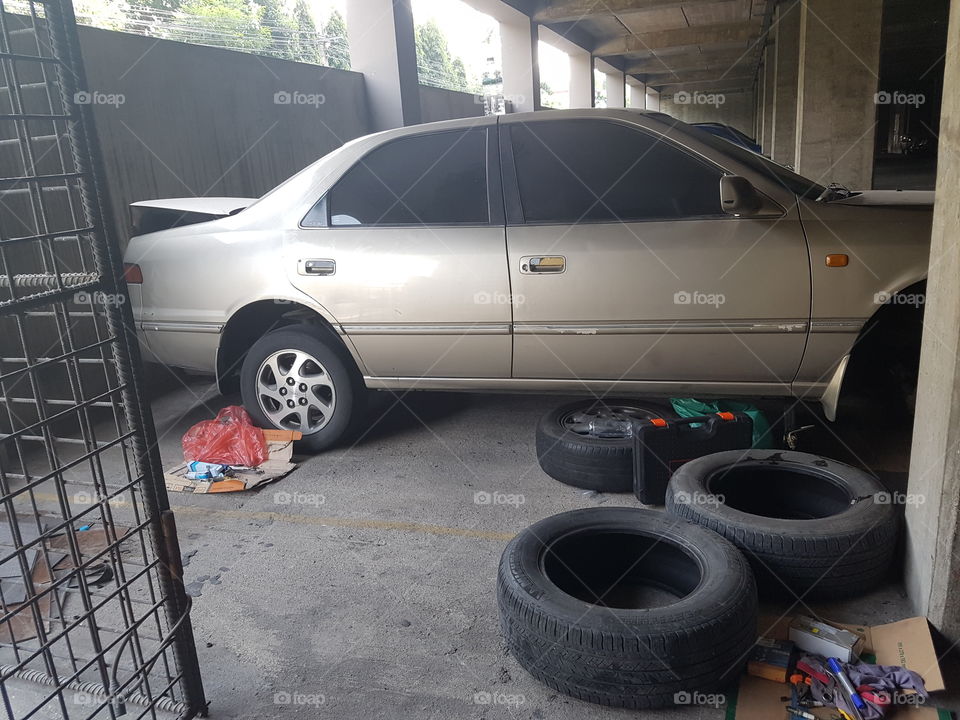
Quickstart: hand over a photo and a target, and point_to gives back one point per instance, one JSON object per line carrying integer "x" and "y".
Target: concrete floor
{"x": 363, "y": 584}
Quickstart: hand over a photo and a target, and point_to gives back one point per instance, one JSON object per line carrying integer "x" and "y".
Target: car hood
{"x": 913, "y": 198}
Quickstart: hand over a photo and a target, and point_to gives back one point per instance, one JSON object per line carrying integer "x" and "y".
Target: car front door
{"x": 623, "y": 265}
{"x": 406, "y": 251}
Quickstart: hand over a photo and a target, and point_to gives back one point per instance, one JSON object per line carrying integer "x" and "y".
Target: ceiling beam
{"x": 572, "y": 10}
{"x": 728, "y": 84}
{"x": 681, "y": 37}
{"x": 669, "y": 64}
{"x": 679, "y": 78}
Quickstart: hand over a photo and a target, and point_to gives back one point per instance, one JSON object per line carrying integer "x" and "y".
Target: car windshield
{"x": 796, "y": 184}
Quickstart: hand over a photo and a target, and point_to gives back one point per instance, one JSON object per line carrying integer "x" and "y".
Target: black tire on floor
{"x": 810, "y": 527}
{"x": 340, "y": 373}
{"x": 568, "y": 452}
{"x": 575, "y": 591}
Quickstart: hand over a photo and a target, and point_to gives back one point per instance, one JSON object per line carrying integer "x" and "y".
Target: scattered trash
{"x": 230, "y": 439}
{"x": 896, "y": 661}
{"x": 212, "y": 477}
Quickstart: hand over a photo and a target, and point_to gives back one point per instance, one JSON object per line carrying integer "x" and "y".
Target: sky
{"x": 467, "y": 30}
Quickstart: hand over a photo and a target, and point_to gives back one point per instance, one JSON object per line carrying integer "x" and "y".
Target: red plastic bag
{"x": 230, "y": 439}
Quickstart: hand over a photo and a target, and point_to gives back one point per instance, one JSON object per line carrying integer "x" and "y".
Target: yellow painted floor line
{"x": 343, "y": 522}
{"x": 360, "y": 524}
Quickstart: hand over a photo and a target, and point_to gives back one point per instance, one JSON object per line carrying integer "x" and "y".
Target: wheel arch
{"x": 253, "y": 320}
{"x": 895, "y": 326}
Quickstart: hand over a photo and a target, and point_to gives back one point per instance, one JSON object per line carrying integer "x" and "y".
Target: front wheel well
{"x": 886, "y": 354}
{"x": 249, "y": 324}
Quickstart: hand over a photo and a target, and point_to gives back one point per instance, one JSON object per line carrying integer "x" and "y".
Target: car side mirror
{"x": 738, "y": 196}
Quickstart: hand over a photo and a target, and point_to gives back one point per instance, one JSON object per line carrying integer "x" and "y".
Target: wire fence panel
{"x": 94, "y": 619}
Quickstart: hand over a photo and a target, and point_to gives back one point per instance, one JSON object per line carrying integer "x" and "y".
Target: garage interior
{"x": 363, "y": 583}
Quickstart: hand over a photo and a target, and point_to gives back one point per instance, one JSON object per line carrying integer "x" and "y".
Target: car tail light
{"x": 132, "y": 274}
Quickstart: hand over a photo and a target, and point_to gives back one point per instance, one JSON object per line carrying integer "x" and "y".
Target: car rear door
{"x": 406, "y": 251}
{"x": 623, "y": 265}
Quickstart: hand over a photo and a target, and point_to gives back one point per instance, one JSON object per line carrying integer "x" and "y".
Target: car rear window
{"x": 436, "y": 179}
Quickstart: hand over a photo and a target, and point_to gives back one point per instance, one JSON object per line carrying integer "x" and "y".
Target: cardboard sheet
{"x": 279, "y": 463}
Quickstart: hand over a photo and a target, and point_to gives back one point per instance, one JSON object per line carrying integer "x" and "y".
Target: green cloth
{"x": 691, "y": 407}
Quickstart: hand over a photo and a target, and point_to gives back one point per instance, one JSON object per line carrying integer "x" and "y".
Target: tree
{"x": 233, "y": 24}
{"x": 279, "y": 26}
{"x": 435, "y": 64}
{"x": 306, "y": 46}
{"x": 335, "y": 42}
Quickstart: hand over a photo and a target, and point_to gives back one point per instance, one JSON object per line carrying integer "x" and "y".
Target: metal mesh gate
{"x": 94, "y": 620}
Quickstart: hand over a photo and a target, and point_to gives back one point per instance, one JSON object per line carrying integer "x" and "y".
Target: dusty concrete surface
{"x": 363, "y": 585}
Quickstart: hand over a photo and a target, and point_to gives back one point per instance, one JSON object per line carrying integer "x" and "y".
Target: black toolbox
{"x": 661, "y": 446}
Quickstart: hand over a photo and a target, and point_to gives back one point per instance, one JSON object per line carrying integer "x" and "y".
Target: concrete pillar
{"x": 581, "y": 79}
{"x": 786, "y": 61}
{"x": 383, "y": 47}
{"x": 638, "y": 94}
{"x": 616, "y": 84}
{"x": 521, "y": 66}
{"x": 932, "y": 575}
{"x": 769, "y": 83}
{"x": 580, "y": 86}
{"x": 836, "y": 112}
{"x": 653, "y": 99}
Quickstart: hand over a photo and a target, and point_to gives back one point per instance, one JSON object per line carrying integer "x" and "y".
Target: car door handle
{"x": 317, "y": 267}
{"x": 542, "y": 264}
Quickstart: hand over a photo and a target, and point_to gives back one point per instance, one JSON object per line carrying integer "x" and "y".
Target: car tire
{"x": 570, "y": 591}
{"x": 572, "y": 454}
{"x": 327, "y": 372}
{"x": 811, "y": 527}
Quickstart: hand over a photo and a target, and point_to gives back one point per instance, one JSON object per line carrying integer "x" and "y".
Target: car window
{"x": 598, "y": 171}
{"x": 438, "y": 179}
{"x": 785, "y": 177}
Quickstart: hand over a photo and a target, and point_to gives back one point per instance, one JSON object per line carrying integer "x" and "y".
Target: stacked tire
{"x": 811, "y": 527}
{"x": 643, "y": 609}
{"x": 588, "y": 445}
{"x": 626, "y": 607}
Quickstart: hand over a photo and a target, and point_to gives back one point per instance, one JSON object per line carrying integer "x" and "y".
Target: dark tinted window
{"x": 601, "y": 171}
{"x": 429, "y": 179}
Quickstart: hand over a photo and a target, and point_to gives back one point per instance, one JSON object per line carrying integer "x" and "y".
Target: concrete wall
{"x": 203, "y": 121}
{"x": 738, "y": 110}
{"x": 439, "y": 104}
{"x": 836, "y": 111}
{"x": 933, "y": 541}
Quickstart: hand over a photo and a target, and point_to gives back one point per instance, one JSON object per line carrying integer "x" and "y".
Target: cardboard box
{"x": 907, "y": 643}
{"x": 278, "y": 464}
{"x": 819, "y": 638}
{"x": 771, "y": 659}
